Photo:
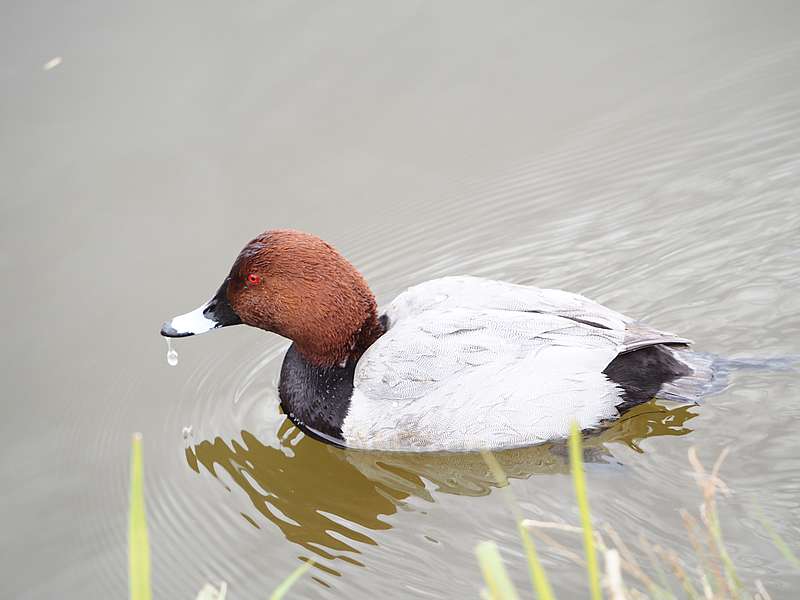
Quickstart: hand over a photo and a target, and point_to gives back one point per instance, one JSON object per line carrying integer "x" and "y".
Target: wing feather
{"x": 469, "y": 362}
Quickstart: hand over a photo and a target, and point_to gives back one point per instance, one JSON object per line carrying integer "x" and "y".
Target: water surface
{"x": 646, "y": 156}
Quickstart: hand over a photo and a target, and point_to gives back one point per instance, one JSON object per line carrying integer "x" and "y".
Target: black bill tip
{"x": 167, "y": 330}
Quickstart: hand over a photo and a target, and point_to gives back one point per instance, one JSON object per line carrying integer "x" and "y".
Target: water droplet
{"x": 172, "y": 354}
{"x": 52, "y": 63}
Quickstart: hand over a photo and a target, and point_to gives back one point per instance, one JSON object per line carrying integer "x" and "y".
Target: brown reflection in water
{"x": 323, "y": 498}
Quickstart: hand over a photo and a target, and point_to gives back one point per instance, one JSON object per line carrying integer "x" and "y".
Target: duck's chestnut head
{"x": 298, "y": 286}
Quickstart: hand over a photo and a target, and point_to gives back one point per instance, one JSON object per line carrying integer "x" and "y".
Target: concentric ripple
{"x": 706, "y": 199}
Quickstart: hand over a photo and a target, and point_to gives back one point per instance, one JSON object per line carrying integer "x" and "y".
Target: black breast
{"x": 316, "y": 399}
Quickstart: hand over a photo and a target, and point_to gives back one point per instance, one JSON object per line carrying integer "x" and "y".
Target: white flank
{"x": 469, "y": 363}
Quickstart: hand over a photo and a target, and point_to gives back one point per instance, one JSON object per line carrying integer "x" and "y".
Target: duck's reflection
{"x": 325, "y": 499}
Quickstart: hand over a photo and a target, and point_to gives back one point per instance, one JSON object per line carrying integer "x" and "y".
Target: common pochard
{"x": 457, "y": 363}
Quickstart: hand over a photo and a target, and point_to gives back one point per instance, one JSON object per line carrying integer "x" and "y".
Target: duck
{"x": 458, "y": 363}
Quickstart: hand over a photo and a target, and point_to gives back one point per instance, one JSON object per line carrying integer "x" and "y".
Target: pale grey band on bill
{"x": 191, "y": 323}
{"x": 214, "y": 314}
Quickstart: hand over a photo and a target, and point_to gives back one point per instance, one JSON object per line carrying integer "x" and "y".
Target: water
{"x": 172, "y": 354}
{"x": 646, "y": 156}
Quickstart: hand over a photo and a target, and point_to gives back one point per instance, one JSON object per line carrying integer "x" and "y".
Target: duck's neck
{"x": 316, "y": 397}
{"x": 373, "y": 328}
{"x": 326, "y": 349}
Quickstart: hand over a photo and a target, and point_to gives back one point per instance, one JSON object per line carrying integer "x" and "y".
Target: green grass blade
{"x": 287, "y": 583}
{"x": 578, "y": 478}
{"x": 494, "y": 573}
{"x": 138, "y": 544}
{"x": 541, "y": 585}
{"x": 779, "y": 542}
{"x": 538, "y": 576}
{"x": 734, "y": 583}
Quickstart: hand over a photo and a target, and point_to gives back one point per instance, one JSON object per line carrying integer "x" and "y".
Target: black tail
{"x": 679, "y": 374}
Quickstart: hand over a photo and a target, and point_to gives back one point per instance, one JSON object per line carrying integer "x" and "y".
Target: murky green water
{"x": 646, "y": 156}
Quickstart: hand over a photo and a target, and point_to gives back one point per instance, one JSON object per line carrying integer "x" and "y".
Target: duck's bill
{"x": 214, "y": 314}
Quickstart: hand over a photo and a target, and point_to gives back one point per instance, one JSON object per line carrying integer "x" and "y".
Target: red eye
{"x": 254, "y": 279}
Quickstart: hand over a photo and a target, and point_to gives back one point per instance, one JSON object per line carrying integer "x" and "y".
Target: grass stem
{"x": 539, "y": 580}
{"x": 287, "y": 583}
{"x": 579, "y": 481}
{"x": 494, "y": 572}
{"x": 138, "y": 543}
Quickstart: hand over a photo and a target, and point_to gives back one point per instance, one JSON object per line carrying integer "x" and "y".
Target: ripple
{"x": 686, "y": 218}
